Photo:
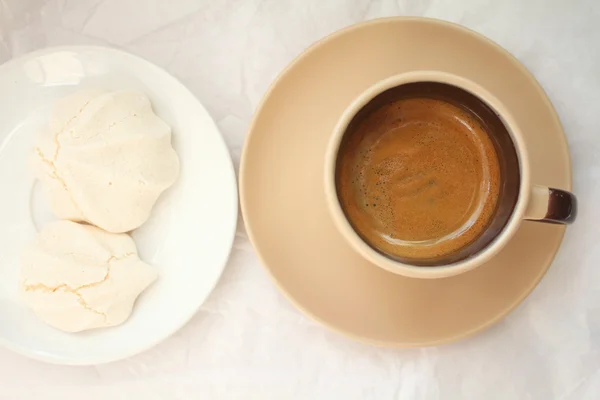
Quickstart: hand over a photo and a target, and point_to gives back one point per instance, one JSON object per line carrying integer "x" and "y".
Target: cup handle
{"x": 551, "y": 205}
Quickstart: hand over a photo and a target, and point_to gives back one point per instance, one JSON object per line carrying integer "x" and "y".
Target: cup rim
{"x": 407, "y": 269}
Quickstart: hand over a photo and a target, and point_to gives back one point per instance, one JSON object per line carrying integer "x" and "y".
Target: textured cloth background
{"x": 248, "y": 341}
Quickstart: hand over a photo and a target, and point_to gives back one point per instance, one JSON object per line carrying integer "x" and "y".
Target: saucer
{"x": 283, "y": 197}
{"x": 190, "y": 231}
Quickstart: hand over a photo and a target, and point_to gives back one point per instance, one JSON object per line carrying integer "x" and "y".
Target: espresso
{"x": 418, "y": 177}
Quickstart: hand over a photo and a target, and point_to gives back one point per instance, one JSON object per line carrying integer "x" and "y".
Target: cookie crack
{"x": 52, "y": 162}
{"x": 41, "y": 287}
{"x": 112, "y": 125}
{"x": 85, "y": 305}
{"x": 50, "y": 289}
{"x": 62, "y": 130}
{"x": 56, "y": 176}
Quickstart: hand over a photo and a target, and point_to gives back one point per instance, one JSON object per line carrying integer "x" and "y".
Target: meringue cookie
{"x": 105, "y": 159}
{"x": 77, "y": 277}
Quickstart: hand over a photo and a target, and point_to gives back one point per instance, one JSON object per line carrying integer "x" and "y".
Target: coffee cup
{"x": 427, "y": 175}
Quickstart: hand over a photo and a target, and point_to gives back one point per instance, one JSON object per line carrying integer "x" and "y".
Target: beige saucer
{"x": 283, "y": 199}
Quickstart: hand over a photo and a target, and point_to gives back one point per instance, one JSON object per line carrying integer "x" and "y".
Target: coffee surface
{"x": 418, "y": 178}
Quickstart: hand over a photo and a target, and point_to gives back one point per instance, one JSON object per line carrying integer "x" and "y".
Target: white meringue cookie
{"x": 105, "y": 159}
{"x": 77, "y": 277}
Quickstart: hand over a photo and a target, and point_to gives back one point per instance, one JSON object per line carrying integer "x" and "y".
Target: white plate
{"x": 188, "y": 237}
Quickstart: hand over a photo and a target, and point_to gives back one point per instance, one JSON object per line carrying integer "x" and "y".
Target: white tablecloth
{"x": 248, "y": 341}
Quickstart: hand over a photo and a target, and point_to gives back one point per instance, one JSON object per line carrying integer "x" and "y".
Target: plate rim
{"x": 235, "y": 209}
{"x": 252, "y": 131}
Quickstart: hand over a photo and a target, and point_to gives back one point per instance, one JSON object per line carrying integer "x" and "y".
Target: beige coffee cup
{"x": 528, "y": 200}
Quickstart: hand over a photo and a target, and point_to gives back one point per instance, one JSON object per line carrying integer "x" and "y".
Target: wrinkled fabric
{"x": 248, "y": 341}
